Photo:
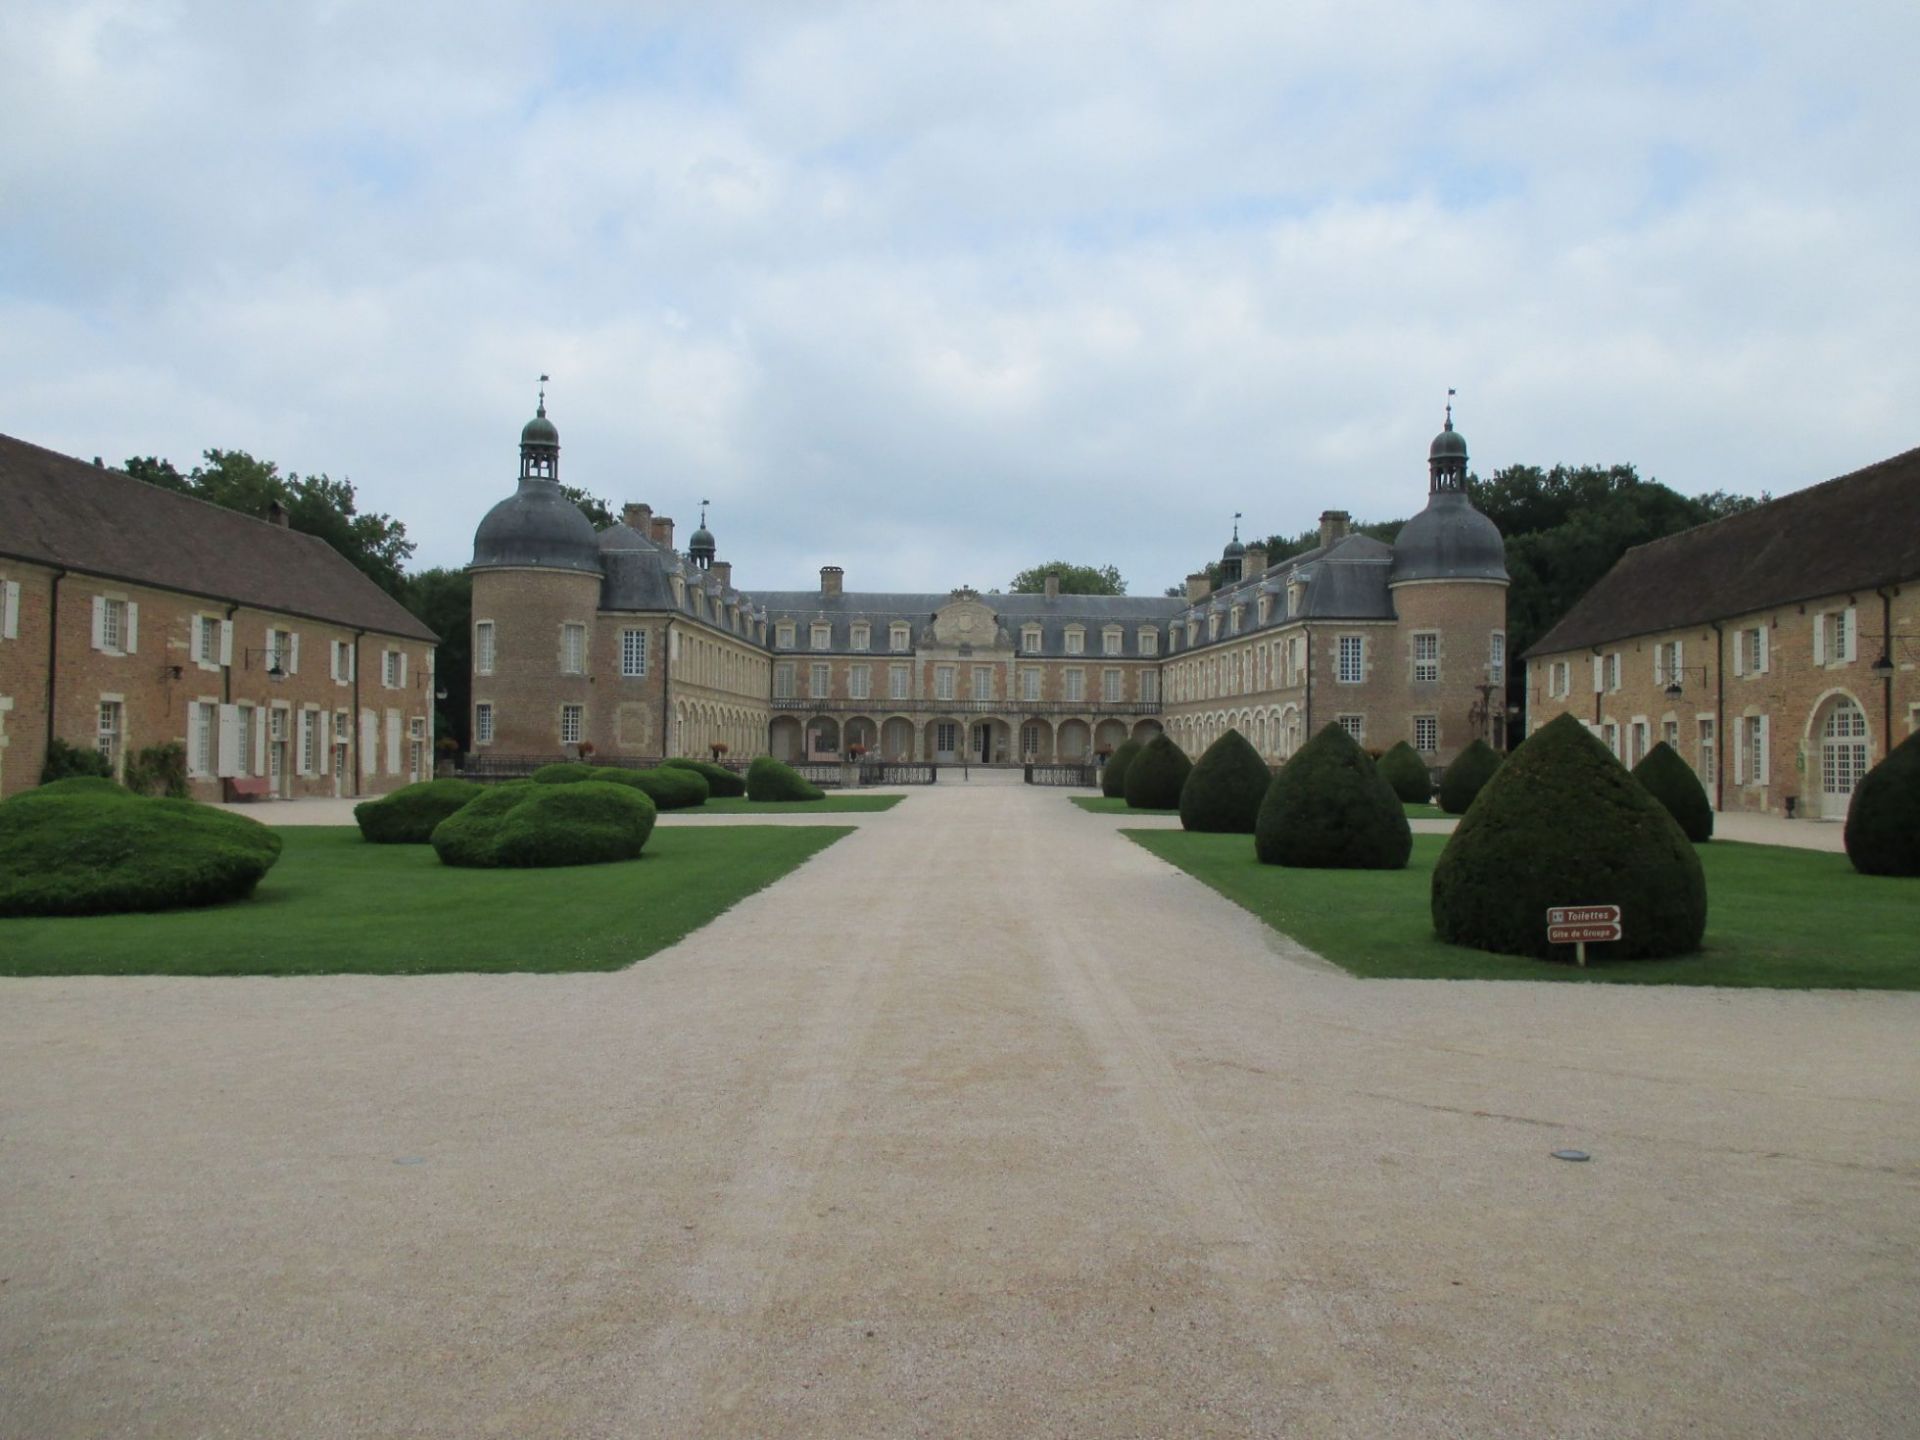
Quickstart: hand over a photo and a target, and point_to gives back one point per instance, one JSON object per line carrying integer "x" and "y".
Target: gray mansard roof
{"x": 1092, "y": 613}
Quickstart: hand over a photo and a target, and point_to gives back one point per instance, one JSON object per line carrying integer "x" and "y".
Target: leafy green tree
{"x": 1074, "y": 580}
{"x": 592, "y": 506}
{"x": 442, "y": 600}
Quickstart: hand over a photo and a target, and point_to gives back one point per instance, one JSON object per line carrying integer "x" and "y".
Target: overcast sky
{"x": 938, "y": 291}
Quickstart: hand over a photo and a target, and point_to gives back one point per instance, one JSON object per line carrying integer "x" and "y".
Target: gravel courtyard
{"x": 982, "y": 1123}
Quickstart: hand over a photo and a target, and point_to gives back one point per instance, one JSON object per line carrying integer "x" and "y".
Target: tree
{"x": 1074, "y": 580}
{"x": 442, "y": 600}
{"x": 592, "y": 506}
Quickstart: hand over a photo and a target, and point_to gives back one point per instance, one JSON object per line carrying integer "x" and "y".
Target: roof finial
{"x": 1450, "y": 392}
{"x": 1236, "y": 524}
{"x": 703, "y": 513}
{"x": 543, "y": 396}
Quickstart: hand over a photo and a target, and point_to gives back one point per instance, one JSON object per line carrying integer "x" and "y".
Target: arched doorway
{"x": 823, "y": 737}
{"x": 1036, "y": 742}
{"x": 1075, "y": 740}
{"x": 1843, "y": 756}
{"x": 897, "y": 738}
{"x": 784, "y": 739}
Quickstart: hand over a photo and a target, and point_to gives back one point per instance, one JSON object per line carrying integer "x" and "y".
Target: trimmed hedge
{"x": 1157, "y": 775}
{"x": 722, "y": 783}
{"x": 1563, "y": 823}
{"x": 1403, "y": 769}
{"x": 669, "y": 789}
{"x": 64, "y": 761}
{"x": 1224, "y": 791}
{"x": 86, "y": 846}
{"x": 408, "y": 815}
{"x": 1467, "y": 776}
{"x": 768, "y": 779}
{"x": 1671, "y": 781}
{"x": 1113, "y": 776}
{"x": 1883, "y": 824}
{"x": 1330, "y": 808}
{"x": 527, "y": 825}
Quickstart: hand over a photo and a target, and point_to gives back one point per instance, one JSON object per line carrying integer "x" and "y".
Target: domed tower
{"x": 700, "y": 549}
{"x": 1449, "y": 586}
{"x": 1233, "y": 559}
{"x": 536, "y": 596}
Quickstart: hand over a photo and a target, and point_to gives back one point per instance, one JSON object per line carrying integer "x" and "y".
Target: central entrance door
{"x": 1843, "y": 758}
{"x": 982, "y": 744}
{"x": 946, "y": 741}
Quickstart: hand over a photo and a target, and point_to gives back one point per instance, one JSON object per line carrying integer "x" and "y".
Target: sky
{"x": 937, "y": 292}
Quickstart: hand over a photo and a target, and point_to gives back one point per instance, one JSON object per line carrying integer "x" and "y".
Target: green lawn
{"x": 1113, "y": 805}
{"x": 1424, "y": 812}
{"x": 335, "y": 904}
{"x": 1790, "y": 919}
{"x": 836, "y": 803}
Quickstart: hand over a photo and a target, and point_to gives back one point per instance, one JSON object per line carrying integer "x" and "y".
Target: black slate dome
{"x": 540, "y": 430}
{"x": 1449, "y": 540}
{"x": 537, "y": 526}
{"x": 1449, "y": 444}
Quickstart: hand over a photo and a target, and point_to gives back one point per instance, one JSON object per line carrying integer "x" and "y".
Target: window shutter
{"x": 10, "y": 610}
{"x": 260, "y": 723}
{"x": 226, "y": 642}
{"x": 1740, "y": 753}
{"x": 1820, "y": 638}
{"x": 132, "y": 644}
{"x": 326, "y": 742}
{"x": 1765, "y": 647}
{"x": 1597, "y": 678}
{"x": 353, "y": 658}
{"x": 333, "y": 660}
{"x": 1660, "y": 664}
{"x": 196, "y": 636}
{"x": 369, "y": 743}
{"x": 1739, "y": 652}
{"x": 99, "y": 622}
{"x": 1763, "y": 762}
{"x": 1679, "y": 656}
{"x": 293, "y": 653}
{"x": 301, "y": 719}
{"x": 403, "y": 669}
{"x": 393, "y": 742}
{"x": 228, "y": 762}
{"x": 1852, "y": 651}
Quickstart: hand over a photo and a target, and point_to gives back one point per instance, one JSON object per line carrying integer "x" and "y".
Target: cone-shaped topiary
{"x": 721, "y": 782}
{"x": 408, "y": 815}
{"x": 1883, "y": 824}
{"x": 1329, "y": 808}
{"x": 768, "y": 779}
{"x": 1113, "y": 779}
{"x": 87, "y": 846}
{"x": 1224, "y": 790}
{"x": 1563, "y": 823}
{"x": 1671, "y": 781}
{"x": 526, "y": 825}
{"x": 1156, "y": 775}
{"x": 1463, "y": 779}
{"x": 1403, "y": 769}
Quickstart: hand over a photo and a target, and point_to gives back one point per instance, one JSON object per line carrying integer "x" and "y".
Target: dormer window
{"x": 1266, "y": 608}
{"x": 1296, "y": 597}
{"x": 1149, "y": 641}
{"x": 862, "y": 637}
{"x": 1076, "y": 640}
{"x": 1030, "y": 639}
{"x": 783, "y": 635}
{"x": 1111, "y": 639}
{"x": 1213, "y": 627}
{"x": 900, "y": 637}
{"x": 821, "y": 637}
{"x": 1233, "y": 623}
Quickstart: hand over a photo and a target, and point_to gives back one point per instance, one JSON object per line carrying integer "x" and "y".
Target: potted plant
{"x": 718, "y": 749}
{"x": 585, "y": 751}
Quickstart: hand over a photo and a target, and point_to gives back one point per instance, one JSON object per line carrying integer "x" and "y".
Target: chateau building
{"x": 132, "y": 616}
{"x": 613, "y": 643}
{"x": 1774, "y": 649}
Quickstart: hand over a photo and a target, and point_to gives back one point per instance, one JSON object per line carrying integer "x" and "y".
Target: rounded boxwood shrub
{"x": 1562, "y": 823}
{"x": 66, "y": 761}
{"x": 1403, "y": 769}
{"x": 768, "y": 779}
{"x": 1883, "y": 824}
{"x": 669, "y": 789}
{"x": 563, "y": 772}
{"x": 408, "y": 815}
{"x": 528, "y": 825}
{"x": 722, "y": 783}
{"x": 1113, "y": 777}
{"x": 1671, "y": 781}
{"x": 1224, "y": 791}
{"x": 1156, "y": 776}
{"x": 1329, "y": 808}
{"x": 1465, "y": 777}
{"x": 86, "y": 846}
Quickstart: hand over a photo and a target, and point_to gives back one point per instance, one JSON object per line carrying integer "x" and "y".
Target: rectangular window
{"x": 783, "y": 681}
{"x": 1354, "y": 725}
{"x": 1613, "y": 671}
{"x": 1149, "y": 642}
{"x": 1562, "y": 682}
{"x": 1670, "y": 734}
{"x": 280, "y": 651}
{"x": 1753, "y": 745}
{"x": 206, "y": 726}
{"x": 573, "y": 649}
{"x": 820, "y": 681}
{"x": 1497, "y": 655}
{"x": 943, "y": 682}
{"x": 899, "y": 638}
{"x": 483, "y": 723}
{"x": 483, "y": 647}
{"x": 1076, "y": 686}
{"x": 783, "y": 636}
{"x": 1426, "y": 733}
{"x": 1110, "y": 691}
{"x": 309, "y": 743}
{"x": 983, "y": 682}
{"x": 1030, "y": 683}
{"x": 899, "y": 681}
{"x": 113, "y": 625}
{"x": 860, "y": 682}
{"x": 1754, "y": 648}
{"x": 570, "y": 718}
{"x": 1352, "y": 659}
{"x": 206, "y": 640}
{"x": 1076, "y": 642}
{"x": 633, "y": 653}
{"x": 1150, "y": 687}
{"x": 1637, "y": 741}
{"x": 107, "y": 740}
{"x": 1426, "y": 655}
{"x": 862, "y": 637}
{"x": 1110, "y": 642}
{"x": 1030, "y": 639}
{"x": 1233, "y": 620}
{"x": 9, "y": 609}
{"x": 1610, "y": 737}
{"x": 1705, "y": 722}
{"x": 822, "y": 637}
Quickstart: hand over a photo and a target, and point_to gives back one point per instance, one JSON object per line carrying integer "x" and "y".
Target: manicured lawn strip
{"x": 1113, "y": 805}
{"x": 1425, "y": 812}
{"x": 1777, "y": 918}
{"x": 834, "y": 804}
{"x": 337, "y": 905}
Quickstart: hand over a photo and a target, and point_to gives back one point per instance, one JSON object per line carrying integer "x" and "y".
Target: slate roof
{"x": 1850, "y": 534}
{"x": 880, "y": 609}
{"x": 57, "y": 510}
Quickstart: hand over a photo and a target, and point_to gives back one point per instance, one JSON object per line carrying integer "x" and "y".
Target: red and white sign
{"x": 1583, "y": 924}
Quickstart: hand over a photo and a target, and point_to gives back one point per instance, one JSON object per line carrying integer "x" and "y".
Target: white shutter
{"x": 1598, "y": 678}
{"x": 326, "y": 742}
{"x": 393, "y": 742}
{"x": 1679, "y": 667}
{"x": 333, "y": 660}
{"x": 10, "y": 610}
{"x": 99, "y": 622}
{"x": 1739, "y": 652}
{"x": 1852, "y": 651}
{"x": 1763, "y": 762}
{"x": 195, "y": 632}
{"x": 1740, "y": 751}
{"x": 293, "y": 653}
{"x": 303, "y": 721}
{"x": 369, "y": 743}
{"x": 403, "y": 669}
{"x": 132, "y": 644}
{"x": 1765, "y": 646}
{"x": 228, "y": 760}
{"x": 260, "y": 723}
{"x": 1660, "y": 663}
{"x": 353, "y": 659}
{"x": 1820, "y": 638}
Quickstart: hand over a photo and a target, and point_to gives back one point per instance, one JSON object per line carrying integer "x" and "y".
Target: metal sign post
{"x": 1582, "y": 925}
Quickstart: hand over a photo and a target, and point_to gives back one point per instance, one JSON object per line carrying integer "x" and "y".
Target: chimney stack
{"x": 636, "y": 516}
{"x": 1256, "y": 562}
{"x": 277, "y": 514}
{"x": 1198, "y": 587}
{"x": 723, "y": 572}
{"x": 1334, "y": 525}
{"x": 662, "y": 531}
{"x": 1053, "y": 584}
{"x": 830, "y": 578}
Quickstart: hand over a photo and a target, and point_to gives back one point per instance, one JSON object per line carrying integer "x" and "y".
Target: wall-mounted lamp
{"x": 1674, "y": 692}
{"x": 274, "y": 672}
